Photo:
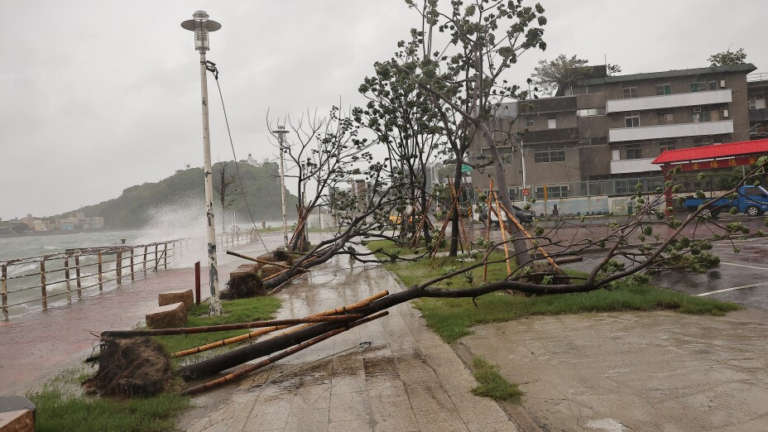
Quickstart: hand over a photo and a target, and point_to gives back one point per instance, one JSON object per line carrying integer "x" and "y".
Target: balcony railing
{"x": 669, "y": 101}
{"x": 670, "y": 131}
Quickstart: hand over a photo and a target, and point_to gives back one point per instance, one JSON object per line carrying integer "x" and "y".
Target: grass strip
{"x": 452, "y": 318}
{"x": 60, "y": 408}
{"x": 491, "y": 384}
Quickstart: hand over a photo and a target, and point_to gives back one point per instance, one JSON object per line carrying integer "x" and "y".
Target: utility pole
{"x": 281, "y": 131}
{"x": 201, "y": 26}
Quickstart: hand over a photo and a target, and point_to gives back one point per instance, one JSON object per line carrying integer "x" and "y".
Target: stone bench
{"x": 169, "y": 316}
{"x": 179, "y": 296}
{"x": 17, "y": 414}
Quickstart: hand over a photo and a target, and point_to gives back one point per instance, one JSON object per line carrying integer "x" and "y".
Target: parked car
{"x": 524, "y": 216}
{"x": 752, "y": 200}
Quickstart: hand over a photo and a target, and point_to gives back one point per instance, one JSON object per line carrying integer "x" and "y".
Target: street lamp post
{"x": 281, "y": 131}
{"x": 522, "y": 164}
{"x": 201, "y": 26}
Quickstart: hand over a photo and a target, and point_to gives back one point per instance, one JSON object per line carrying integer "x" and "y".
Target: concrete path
{"x": 407, "y": 380}
{"x": 658, "y": 371}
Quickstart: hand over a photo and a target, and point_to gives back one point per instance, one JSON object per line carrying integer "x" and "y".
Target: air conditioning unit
{"x": 725, "y": 113}
{"x": 722, "y": 83}
{"x": 697, "y": 110}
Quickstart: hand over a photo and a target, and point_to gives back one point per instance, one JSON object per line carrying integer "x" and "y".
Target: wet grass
{"x": 235, "y": 311}
{"x": 61, "y": 408}
{"x": 453, "y": 318}
{"x": 491, "y": 384}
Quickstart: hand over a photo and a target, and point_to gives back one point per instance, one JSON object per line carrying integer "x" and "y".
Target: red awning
{"x": 713, "y": 152}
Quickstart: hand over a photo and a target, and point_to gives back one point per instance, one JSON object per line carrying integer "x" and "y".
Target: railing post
{"x": 4, "y": 273}
{"x": 77, "y": 275}
{"x": 156, "y": 258}
{"x": 119, "y": 267}
{"x": 42, "y": 284}
{"x": 145, "y": 261}
{"x": 197, "y": 283}
{"x": 66, "y": 276}
{"x": 165, "y": 256}
{"x": 132, "y": 275}
{"x": 101, "y": 275}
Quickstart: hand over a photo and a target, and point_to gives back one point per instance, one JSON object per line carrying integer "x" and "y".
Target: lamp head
{"x": 201, "y": 25}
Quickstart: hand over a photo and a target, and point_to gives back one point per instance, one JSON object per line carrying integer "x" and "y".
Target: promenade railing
{"x": 32, "y": 281}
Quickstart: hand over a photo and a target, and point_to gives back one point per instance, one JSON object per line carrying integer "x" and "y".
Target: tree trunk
{"x": 425, "y": 212}
{"x": 454, "y": 251}
{"x": 522, "y": 253}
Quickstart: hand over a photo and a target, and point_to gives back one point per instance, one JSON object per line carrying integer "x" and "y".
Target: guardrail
{"x": 235, "y": 237}
{"x": 76, "y": 270}
{"x": 762, "y": 76}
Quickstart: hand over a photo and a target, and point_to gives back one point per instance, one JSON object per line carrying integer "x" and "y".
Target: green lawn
{"x": 452, "y": 318}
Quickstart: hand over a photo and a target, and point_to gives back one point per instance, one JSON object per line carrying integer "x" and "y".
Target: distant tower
{"x": 252, "y": 161}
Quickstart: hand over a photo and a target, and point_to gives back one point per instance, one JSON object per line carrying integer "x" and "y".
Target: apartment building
{"x": 598, "y": 138}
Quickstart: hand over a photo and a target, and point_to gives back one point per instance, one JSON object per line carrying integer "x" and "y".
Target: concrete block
{"x": 174, "y": 315}
{"x": 17, "y": 414}
{"x": 178, "y": 296}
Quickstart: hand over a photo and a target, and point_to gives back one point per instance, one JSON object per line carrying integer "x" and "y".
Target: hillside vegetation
{"x": 185, "y": 189}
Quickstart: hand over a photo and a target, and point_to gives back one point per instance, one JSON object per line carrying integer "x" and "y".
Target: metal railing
{"x": 234, "y": 238}
{"x": 76, "y": 270}
{"x": 581, "y": 189}
{"x": 762, "y": 76}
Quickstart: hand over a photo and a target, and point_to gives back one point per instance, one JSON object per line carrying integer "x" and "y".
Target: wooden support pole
{"x": 144, "y": 263}
{"x": 260, "y": 261}
{"x": 503, "y": 234}
{"x": 42, "y": 284}
{"x": 119, "y": 267}
{"x": 77, "y": 275}
{"x": 252, "y": 367}
{"x": 4, "y": 283}
{"x": 66, "y": 278}
{"x": 226, "y": 327}
{"x": 133, "y": 276}
{"x": 264, "y": 331}
{"x": 101, "y": 275}
{"x": 488, "y": 228}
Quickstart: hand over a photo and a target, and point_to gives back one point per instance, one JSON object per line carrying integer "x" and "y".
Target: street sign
{"x": 526, "y": 192}
{"x": 466, "y": 168}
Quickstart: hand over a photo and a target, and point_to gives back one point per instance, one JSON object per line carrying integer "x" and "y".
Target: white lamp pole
{"x": 522, "y": 158}
{"x": 281, "y": 131}
{"x": 201, "y": 26}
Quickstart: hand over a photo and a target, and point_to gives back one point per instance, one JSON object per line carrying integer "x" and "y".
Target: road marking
{"x": 743, "y": 265}
{"x": 731, "y": 289}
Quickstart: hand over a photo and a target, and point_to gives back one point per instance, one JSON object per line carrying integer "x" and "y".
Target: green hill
{"x": 134, "y": 207}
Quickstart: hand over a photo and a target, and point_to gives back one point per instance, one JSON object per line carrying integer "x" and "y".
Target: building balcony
{"x": 670, "y": 131}
{"x": 758, "y": 115}
{"x": 629, "y": 166}
{"x": 669, "y": 101}
{"x": 550, "y": 136}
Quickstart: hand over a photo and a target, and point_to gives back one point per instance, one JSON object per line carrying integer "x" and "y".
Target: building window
{"x": 529, "y": 123}
{"x": 666, "y": 117}
{"x": 630, "y": 92}
{"x": 703, "y": 86}
{"x": 590, "y": 112}
{"x": 632, "y": 119}
{"x": 549, "y": 154}
{"x": 756, "y": 101}
{"x": 552, "y": 123}
{"x": 634, "y": 151}
{"x": 701, "y": 115}
{"x": 593, "y": 141}
{"x": 666, "y": 145}
{"x": 553, "y": 192}
{"x": 663, "y": 89}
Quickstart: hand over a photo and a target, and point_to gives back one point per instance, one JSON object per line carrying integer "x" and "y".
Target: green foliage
{"x": 132, "y": 209}
{"x": 561, "y": 72}
{"x": 59, "y": 410}
{"x": 728, "y": 58}
{"x": 492, "y": 384}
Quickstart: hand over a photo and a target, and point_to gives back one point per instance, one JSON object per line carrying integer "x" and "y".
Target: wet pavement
{"x": 406, "y": 380}
{"x": 657, "y": 371}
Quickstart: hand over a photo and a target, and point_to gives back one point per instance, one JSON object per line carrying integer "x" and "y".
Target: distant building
{"x": 598, "y": 138}
{"x": 97, "y": 222}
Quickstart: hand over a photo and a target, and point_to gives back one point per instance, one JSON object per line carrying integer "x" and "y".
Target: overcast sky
{"x": 101, "y": 95}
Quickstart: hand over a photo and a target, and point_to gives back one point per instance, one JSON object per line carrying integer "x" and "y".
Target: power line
{"x": 211, "y": 66}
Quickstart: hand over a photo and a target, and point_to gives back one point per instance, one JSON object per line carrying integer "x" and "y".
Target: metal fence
{"x": 613, "y": 187}
{"x": 36, "y": 280}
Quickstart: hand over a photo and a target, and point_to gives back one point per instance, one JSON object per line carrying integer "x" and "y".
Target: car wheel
{"x": 752, "y": 211}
